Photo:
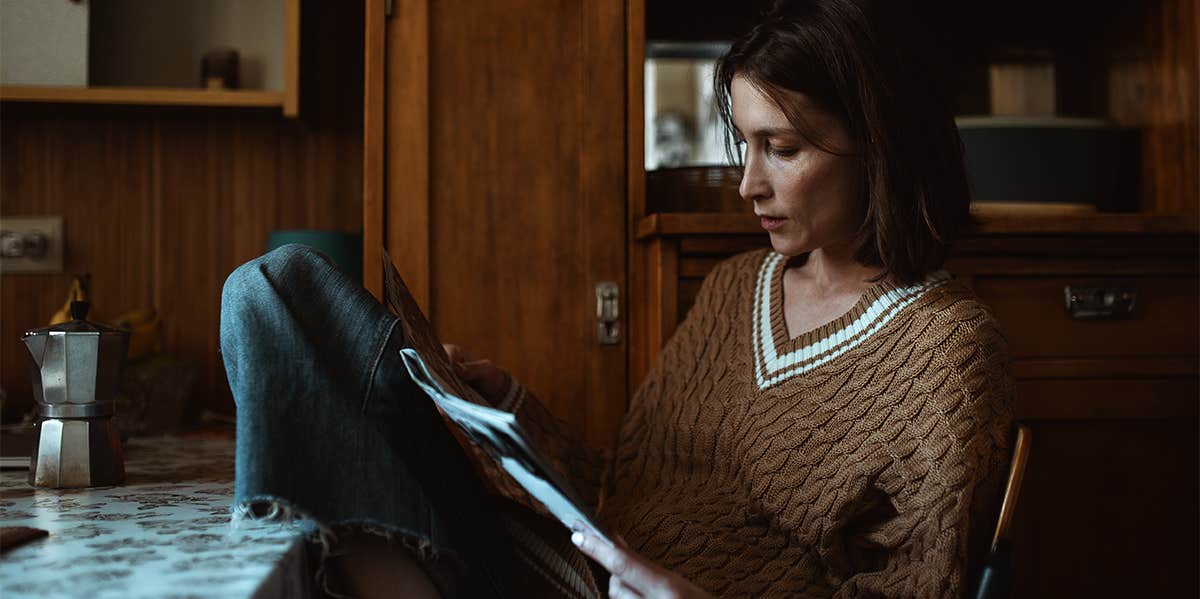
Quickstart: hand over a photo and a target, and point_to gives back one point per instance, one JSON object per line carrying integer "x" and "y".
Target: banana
{"x": 145, "y": 328}
{"x": 133, "y": 318}
{"x": 145, "y": 331}
{"x": 77, "y": 293}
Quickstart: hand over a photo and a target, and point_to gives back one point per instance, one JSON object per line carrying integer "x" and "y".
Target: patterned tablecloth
{"x": 165, "y": 533}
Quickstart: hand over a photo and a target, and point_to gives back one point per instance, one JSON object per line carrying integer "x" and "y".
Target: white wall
{"x": 161, "y": 42}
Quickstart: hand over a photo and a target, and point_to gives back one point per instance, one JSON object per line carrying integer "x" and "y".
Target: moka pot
{"x": 76, "y": 370}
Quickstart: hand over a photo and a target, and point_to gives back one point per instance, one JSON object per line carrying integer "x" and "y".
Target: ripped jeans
{"x": 332, "y": 432}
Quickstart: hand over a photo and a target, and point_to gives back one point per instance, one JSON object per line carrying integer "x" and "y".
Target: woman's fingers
{"x": 631, "y": 571}
{"x": 617, "y": 590}
{"x": 464, "y": 363}
{"x": 487, "y": 378}
{"x": 475, "y": 369}
{"x": 455, "y": 353}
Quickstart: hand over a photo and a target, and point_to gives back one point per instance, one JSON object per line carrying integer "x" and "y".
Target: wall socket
{"x": 31, "y": 244}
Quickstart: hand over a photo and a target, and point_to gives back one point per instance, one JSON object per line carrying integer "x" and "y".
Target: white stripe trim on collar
{"x": 771, "y": 367}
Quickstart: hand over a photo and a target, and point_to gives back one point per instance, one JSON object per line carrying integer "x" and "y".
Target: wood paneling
{"x": 526, "y": 200}
{"x": 160, "y": 204}
{"x": 374, "y": 115}
{"x": 1108, "y": 509}
{"x": 638, "y": 259}
{"x": 291, "y": 58}
{"x": 601, "y": 103}
{"x": 1154, "y": 86}
{"x": 407, "y": 230}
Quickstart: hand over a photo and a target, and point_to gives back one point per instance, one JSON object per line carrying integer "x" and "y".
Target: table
{"x": 165, "y": 533}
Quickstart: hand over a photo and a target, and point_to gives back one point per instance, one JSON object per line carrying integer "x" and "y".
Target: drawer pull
{"x": 1089, "y": 303}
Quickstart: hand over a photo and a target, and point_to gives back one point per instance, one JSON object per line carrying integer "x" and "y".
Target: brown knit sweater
{"x": 861, "y": 459}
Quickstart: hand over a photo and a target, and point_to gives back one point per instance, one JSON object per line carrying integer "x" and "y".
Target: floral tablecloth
{"x": 165, "y": 533}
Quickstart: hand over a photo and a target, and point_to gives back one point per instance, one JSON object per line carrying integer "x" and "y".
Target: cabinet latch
{"x": 608, "y": 313}
{"x": 1088, "y": 303}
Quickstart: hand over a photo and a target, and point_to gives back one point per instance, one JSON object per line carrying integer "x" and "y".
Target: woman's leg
{"x": 330, "y": 425}
{"x": 369, "y": 566}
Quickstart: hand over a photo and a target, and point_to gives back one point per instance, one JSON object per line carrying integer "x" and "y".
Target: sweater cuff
{"x": 513, "y": 398}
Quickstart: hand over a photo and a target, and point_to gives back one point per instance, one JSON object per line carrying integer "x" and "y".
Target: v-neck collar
{"x": 777, "y": 357}
{"x": 779, "y": 331}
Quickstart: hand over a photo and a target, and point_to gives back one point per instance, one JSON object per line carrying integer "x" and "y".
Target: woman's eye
{"x": 783, "y": 151}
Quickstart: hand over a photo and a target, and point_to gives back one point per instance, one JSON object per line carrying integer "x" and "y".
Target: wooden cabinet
{"x": 1109, "y": 505}
{"x": 495, "y": 176}
{"x": 504, "y": 167}
{"x": 149, "y": 54}
{"x": 504, "y": 172}
{"x": 1110, "y": 502}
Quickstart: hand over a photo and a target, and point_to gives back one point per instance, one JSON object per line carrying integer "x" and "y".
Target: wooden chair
{"x": 996, "y": 580}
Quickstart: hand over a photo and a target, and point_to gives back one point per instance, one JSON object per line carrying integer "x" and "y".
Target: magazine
{"x": 494, "y": 431}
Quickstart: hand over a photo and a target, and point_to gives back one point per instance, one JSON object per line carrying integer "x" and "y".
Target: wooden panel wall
{"x": 408, "y": 233}
{"x": 526, "y": 205}
{"x": 160, "y": 204}
{"x": 374, "y": 97}
{"x": 1155, "y": 86}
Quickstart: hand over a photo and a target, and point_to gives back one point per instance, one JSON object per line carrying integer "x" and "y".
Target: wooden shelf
{"x": 287, "y": 100}
{"x": 160, "y": 96}
{"x": 991, "y": 221}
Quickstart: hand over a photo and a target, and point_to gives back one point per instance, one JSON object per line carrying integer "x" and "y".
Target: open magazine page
{"x": 498, "y": 433}
{"x": 418, "y": 334}
{"x": 494, "y": 431}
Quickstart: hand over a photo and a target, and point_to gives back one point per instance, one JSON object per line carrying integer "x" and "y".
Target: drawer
{"x": 1033, "y": 314}
{"x": 1108, "y": 509}
{"x": 1151, "y": 398}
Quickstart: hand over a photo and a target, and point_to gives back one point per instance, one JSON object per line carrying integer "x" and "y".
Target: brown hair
{"x": 864, "y": 62}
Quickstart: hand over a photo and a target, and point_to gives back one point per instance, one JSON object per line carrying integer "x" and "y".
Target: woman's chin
{"x": 788, "y": 246}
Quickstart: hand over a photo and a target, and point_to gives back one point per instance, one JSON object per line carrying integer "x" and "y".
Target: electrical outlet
{"x": 31, "y": 244}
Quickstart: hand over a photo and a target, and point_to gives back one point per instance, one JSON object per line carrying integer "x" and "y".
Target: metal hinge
{"x": 608, "y": 313}
{"x": 387, "y": 8}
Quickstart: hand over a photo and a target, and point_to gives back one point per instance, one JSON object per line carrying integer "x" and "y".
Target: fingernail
{"x": 577, "y": 538}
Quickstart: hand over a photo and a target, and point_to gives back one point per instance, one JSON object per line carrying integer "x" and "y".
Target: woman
{"x": 830, "y": 420}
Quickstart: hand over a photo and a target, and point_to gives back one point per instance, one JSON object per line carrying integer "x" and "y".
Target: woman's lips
{"x": 770, "y": 223}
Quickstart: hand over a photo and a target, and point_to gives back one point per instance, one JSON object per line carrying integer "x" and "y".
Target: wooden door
{"x": 495, "y": 176}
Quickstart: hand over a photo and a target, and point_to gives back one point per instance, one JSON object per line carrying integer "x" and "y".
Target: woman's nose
{"x": 754, "y": 185}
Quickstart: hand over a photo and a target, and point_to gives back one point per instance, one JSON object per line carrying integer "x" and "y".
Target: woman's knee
{"x": 291, "y": 266}
{"x": 259, "y": 291}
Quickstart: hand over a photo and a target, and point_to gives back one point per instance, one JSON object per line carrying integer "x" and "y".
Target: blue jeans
{"x": 331, "y": 430}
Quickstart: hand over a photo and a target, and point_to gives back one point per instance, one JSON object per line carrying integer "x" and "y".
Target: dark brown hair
{"x": 867, "y": 63}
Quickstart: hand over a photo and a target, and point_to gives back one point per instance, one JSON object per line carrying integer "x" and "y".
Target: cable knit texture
{"x": 862, "y": 459}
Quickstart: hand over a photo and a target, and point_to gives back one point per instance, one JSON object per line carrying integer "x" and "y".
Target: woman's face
{"x": 806, "y": 198}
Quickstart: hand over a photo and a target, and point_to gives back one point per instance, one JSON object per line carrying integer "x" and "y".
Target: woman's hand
{"x": 489, "y": 380}
{"x": 634, "y": 575}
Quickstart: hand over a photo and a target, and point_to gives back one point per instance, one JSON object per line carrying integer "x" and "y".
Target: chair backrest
{"x": 1016, "y": 473}
{"x": 996, "y": 580}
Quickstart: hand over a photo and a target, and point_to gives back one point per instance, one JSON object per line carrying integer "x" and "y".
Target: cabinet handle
{"x": 608, "y": 313}
{"x": 1093, "y": 303}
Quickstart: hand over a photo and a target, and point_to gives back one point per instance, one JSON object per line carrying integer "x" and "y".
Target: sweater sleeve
{"x": 578, "y": 462}
{"x": 947, "y": 469}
